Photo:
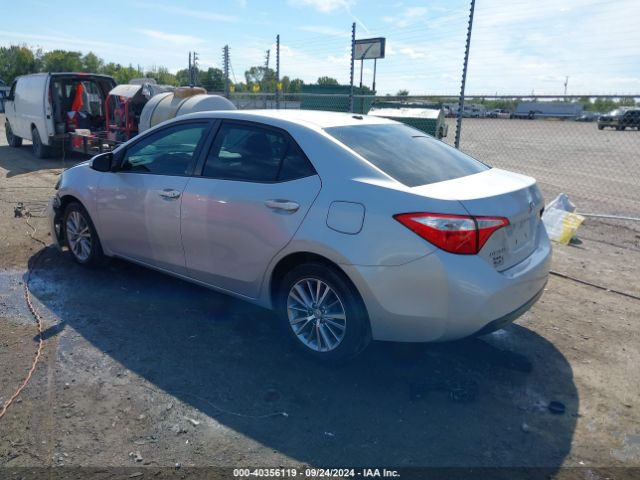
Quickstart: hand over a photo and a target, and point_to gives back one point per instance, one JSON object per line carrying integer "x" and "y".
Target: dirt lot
{"x": 145, "y": 371}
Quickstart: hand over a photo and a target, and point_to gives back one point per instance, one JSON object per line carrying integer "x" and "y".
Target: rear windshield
{"x": 406, "y": 154}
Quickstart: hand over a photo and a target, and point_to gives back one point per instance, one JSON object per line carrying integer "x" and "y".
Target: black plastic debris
{"x": 17, "y": 211}
{"x": 556, "y": 408}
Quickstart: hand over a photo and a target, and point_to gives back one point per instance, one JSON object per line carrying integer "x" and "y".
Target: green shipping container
{"x": 334, "y": 98}
{"x": 427, "y": 120}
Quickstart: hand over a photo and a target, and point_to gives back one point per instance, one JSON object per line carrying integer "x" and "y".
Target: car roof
{"x": 67, "y": 74}
{"x": 314, "y": 119}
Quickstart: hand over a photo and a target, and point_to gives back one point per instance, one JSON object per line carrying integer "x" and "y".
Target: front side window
{"x": 251, "y": 153}
{"x": 167, "y": 152}
{"x": 406, "y": 154}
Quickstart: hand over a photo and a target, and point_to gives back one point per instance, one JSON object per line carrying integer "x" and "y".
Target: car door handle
{"x": 285, "y": 205}
{"x": 169, "y": 193}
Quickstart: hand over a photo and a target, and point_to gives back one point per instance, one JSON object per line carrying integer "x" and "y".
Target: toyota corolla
{"x": 350, "y": 227}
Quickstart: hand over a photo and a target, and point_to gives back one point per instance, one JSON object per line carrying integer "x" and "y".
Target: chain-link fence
{"x": 598, "y": 168}
{"x": 557, "y": 141}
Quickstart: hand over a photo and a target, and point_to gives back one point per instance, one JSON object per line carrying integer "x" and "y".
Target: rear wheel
{"x": 600, "y": 127}
{"x": 81, "y": 236}
{"x": 323, "y": 313}
{"x": 12, "y": 139}
{"x": 39, "y": 150}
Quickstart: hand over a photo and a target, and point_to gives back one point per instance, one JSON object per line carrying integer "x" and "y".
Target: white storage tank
{"x": 183, "y": 100}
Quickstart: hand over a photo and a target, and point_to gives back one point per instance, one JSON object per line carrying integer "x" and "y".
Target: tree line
{"x": 17, "y": 60}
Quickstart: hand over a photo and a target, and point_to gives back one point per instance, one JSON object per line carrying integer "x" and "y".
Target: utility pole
{"x": 190, "y": 71}
{"x": 278, "y": 71}
{"x": 566, "y": 82}
{"x": 194, "y": 67}
{"x": 353, "y": 52}
{"x": 464, "y": 76}
{"x": 225, "y": 63}
{"x": 264, "y": 77}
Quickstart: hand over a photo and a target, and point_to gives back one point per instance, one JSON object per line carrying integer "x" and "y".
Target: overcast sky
{"x": 518, "y": 46}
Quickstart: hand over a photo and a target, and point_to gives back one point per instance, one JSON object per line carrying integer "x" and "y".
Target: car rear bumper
{"x": 443, "y": 296}
{"x": 502, "y": 322}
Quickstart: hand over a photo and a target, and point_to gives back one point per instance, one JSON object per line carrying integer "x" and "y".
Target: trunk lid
{"x": 497, "y": 193}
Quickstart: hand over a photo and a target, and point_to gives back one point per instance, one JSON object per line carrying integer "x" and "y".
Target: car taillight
{"x": 459, "y": 234}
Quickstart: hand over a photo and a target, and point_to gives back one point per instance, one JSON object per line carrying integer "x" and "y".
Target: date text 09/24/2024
{"x": 315, "y": 473}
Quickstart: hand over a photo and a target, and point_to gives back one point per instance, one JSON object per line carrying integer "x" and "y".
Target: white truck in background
{"x": 40, "y": 107}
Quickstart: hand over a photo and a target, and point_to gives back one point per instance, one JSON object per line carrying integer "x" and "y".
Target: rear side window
{"x": 406, "y": 154}
{"x": 252, "y": 153}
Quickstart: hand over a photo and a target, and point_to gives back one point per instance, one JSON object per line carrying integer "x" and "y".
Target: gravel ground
{"x": 145, "y": 371}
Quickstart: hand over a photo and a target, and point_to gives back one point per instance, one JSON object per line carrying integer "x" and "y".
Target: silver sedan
{"x": 350, "y": 227}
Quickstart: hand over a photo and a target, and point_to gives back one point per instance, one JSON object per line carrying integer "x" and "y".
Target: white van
{"x": 43, "y": 105}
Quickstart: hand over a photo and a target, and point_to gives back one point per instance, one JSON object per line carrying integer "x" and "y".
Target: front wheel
{"x": 323, "y": 313}
{"x": 39, "y": 149}
{"x": 81, "y": 236}
{"x": 12, "y": 139}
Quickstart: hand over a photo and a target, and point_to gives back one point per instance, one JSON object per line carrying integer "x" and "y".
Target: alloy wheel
{"x": 316, "y": 315}
{"x": 79, "y": 236}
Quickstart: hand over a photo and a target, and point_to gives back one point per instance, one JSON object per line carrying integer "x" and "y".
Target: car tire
{"x": 12, "y": 139}
{"x": 600, "y": 127}
{"x": 81, "y": 236}
{"x": 323, "y": 313}
{"x": 39, "y": 150}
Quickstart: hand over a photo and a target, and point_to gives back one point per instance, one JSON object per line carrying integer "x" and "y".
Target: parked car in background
{"x": 474, "y": 111}
{"x": 350, "y": 227}
{"x": 588, "y": 117}
{"x": 498, "y": 113}
{"x": 620, "y": 118}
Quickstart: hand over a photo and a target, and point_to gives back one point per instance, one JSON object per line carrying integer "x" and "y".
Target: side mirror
{"x": 103, "y": 162}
